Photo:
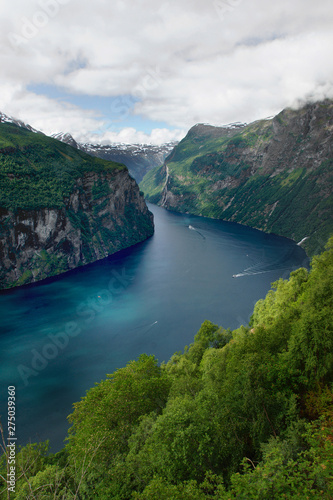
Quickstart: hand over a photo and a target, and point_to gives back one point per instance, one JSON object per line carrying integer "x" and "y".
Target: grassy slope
{"x": 37, "y": 171}
{"x": 220, "y": 177}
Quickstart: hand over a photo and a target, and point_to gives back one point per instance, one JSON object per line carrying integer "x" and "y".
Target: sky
{"x": 145, "y": 71}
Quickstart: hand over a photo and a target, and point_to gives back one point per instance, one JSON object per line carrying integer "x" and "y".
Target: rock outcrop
{"x": 101, "y": 213}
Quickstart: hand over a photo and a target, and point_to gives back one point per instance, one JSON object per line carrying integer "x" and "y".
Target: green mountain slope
{"x": 243, "y": 414}
{"x": 37, "y": 171}
{"x": 61, "y": 208}
{"x": 274, "y": 174}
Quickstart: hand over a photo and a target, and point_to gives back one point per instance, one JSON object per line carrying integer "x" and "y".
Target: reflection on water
{"x": 61, "y": 336}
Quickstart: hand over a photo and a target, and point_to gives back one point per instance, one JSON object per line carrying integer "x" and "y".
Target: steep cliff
{"x": 60, "y": 208}
{"x": 273, "y": 174}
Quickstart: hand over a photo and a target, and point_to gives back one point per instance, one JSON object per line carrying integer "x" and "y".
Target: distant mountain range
{"x": 138, "y": 158}
{"x": 275, "y": 174}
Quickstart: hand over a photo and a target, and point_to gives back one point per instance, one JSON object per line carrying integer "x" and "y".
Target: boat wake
{"x": 147, "y": 326}
{"x": 194, "y": 229}
{"x": 252, "y": 273}
{"x": 263, "y": 268}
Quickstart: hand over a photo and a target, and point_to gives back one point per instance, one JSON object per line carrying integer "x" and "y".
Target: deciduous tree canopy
{"x": 243, "y": 414}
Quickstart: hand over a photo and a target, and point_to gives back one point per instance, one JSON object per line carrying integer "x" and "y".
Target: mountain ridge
{"x": 138, "y": 158}
{"x": 273, "y": 174}
{"x": 61, "y": 208}
{"x": 9, "y": 119}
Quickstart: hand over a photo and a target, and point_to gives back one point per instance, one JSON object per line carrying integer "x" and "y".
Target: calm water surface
{"x": 61, "y": 336}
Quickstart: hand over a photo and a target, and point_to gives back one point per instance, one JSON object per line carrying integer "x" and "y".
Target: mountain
{"x": 9, "y": 119}
{"x": 61, "y": 208}
{"x": 138, "y": 158}
{"x": 274, "y": 174}
{"x": 67, "y": 139}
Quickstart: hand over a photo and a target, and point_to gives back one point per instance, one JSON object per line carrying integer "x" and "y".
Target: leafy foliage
{"x": 243, "y": 414}
{"x": 37, "y": 171}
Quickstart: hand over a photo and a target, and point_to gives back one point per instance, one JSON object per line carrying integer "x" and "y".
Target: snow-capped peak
{"x": 9, "y": 119}
{"x": 67, "y": 138}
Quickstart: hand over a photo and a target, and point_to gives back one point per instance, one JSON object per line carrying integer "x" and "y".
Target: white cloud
{"x": 188, "y": 61}
{"x": 47, "y": 115}
{"x": 50, "y": 116}
{"x": 130, "y": 135}
{"x": 250, "y": 83}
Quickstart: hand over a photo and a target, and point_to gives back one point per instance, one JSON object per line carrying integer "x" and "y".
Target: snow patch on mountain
{"x": 139, "y": 158}
{"x": 66, "y": 138}
{"x": 9, "y": 119}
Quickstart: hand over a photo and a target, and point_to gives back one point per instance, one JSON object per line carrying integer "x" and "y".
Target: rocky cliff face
{"x": 105, "y": 213}
{"x": 274, "y": 175}
{"x": 60, "y": 208}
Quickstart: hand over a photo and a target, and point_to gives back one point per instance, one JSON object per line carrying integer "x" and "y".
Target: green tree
{"x": 104, "y": 419}
{"x": 283, "y": 473}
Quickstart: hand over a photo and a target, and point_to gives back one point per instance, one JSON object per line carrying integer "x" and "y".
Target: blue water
{"x": 61, "y": 336}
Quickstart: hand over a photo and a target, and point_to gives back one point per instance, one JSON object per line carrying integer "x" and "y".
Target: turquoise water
{"x": 61, "y": 336}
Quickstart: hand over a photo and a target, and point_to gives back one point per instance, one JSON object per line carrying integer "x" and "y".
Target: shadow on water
{"x": 60, "y": 336}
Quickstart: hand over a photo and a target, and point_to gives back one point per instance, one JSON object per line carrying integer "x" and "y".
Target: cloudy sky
{"x": 148, "y": 70}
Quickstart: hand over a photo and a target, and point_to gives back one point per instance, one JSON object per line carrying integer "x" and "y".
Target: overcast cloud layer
{"x": 178, "y": 62}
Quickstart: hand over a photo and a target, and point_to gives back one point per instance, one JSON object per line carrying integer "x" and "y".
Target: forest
{"x": 37, "y": 171}
{"x": 243, "y": 414}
